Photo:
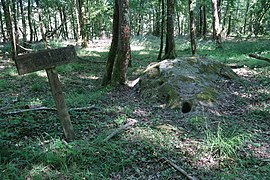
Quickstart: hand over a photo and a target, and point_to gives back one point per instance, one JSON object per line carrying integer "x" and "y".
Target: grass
{"x": 227, "y": 146}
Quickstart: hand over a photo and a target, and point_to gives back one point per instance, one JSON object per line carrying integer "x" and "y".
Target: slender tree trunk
{"x": 170, "y": 52}
{"x": 82, "y": 21}
{"x": 78, "y": 29}
{"x": 14, "y": 15}
{"x": 162, "y": 29}
{"x": 178, "y": 22}
{"x": 114, "y": 45}
{"x": 200, "y": 21}
{"x": 8, "y": 19}
{"x": 2, "y": 27}
{"x": 29, "y": 12}
{"x": 74, "y": 27}
{"x": 192, "y": 27}
{"x": 157, "y": 20}
{"x": 23, "y": 21}
{"x": 204, "y": 21}
{"x": 123, "y": 49}
{"x": 141, "y": 19}
{"x": 246, "y": 15}
{"x": 225, "y": 15}
{"x": 229, "y": 24}
{"x": 65, "y": 22}
{"x": 216, "y": 23}
{"x": 44, "y": 39}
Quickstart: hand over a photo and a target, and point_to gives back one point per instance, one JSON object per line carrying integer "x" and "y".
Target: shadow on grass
{"x": 31, "y": 144}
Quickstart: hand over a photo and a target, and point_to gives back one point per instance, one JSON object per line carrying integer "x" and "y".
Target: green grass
{"x": 232, "y": 145}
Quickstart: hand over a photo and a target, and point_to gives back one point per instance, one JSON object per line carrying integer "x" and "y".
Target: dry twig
{"x": 179, "y": 169}
{"x": 123, "y": 127}
{"x": 45, "y": 109}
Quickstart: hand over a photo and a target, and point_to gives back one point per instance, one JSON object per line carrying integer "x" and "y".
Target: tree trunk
{"x": 8, "y": 19}
{"x": 246, "y": 15}
{"x": 78, "y": 29}
{"x": 82, "y": 21}
{"x": 204, "y": 21}
{"x": 114, "y": 45}
{"x": 162, "y": 29}
{"x": 29, "y": 12}
{"x": 23, "y": 21}
{"x": 123, "y": 48}
{"x": 44, "y": 39}
{"x": 65, "y": 22}
{"x": 74, "y": 27}
{"x": 157, "y": 20}
{"x": 14, "y": 15}
{"x": 178, "y": 22}
{"x": 229, "y": 24}
{"x": 200, "y": 21}
{"x": 192, "y": 27}
{"x": 170, "y": 44}
{"x": 141, "y": 19}
{"x": 216, "y": 23}
{"x": 2, "y": 27}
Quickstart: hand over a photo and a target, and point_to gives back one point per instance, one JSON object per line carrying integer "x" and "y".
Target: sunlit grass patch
{"x": 221, "y": 145}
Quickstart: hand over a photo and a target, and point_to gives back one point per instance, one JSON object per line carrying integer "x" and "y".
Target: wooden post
{"x": 61, "y": 107}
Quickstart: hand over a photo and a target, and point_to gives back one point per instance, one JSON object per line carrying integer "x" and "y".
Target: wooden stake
{"x": 61, "y": 107}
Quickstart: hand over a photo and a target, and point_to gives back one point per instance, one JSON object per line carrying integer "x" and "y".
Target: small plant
{"x": 37, "y": 87}
{"x": 120, "y": 119}
{"x": 3, "y": 84}
{"x": 222, "y": 146}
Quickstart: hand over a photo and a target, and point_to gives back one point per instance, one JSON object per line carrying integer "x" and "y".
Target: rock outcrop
{"x": 184, "y": 83}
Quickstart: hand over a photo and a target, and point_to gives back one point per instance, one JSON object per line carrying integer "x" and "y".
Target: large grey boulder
{"x": 184, "y": 83}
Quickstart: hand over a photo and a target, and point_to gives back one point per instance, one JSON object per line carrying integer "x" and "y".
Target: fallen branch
{"x": 25, "y": 49}
{"x": 179, "y": 169}
{"x": 45, "y": 109}
{"x": 123, "y": 127}
{"x": 259, "y": 57}
{"x": 28, "y": 110}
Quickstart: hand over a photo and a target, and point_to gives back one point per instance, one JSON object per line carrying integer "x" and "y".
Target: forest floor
{"x": 231, "y": 143}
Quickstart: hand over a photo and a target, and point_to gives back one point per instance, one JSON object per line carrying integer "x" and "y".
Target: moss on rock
{"x": 193, "y": 80}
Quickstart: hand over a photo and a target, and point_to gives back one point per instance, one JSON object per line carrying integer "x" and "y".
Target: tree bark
{"x": 141, "y": 19}
{"x": 44, "y": 39}
{"x": 8, "y": 19}
{"x": 23, "y": 21}
{"x": 216, "y": 23}
{"x": 162, "y": 30}
{"x": 82, "y": 21}
{"x": 29, "y": 12}
{"x": 170, "y": 52}
{"x": 246, "y": 15}
{"x": 192, "y": 27}
{"x": 204, "y": 21}
{"x": 157, "y": 18}
{"x": 2, "y": 27}
{"x": 123, "y": 50}
{"x": 114, "y": 45}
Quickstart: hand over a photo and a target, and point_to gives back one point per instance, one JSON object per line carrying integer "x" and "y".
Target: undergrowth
{"x": 228, "y": 146}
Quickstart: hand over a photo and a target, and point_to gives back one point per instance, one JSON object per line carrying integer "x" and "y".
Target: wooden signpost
{"x": 48, "y": 60}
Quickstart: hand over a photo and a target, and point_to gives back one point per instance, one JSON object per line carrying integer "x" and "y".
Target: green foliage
{"x": 32, "y": 146}
{"x": 224, "y": 145}
{"x": 3, "y": 84}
